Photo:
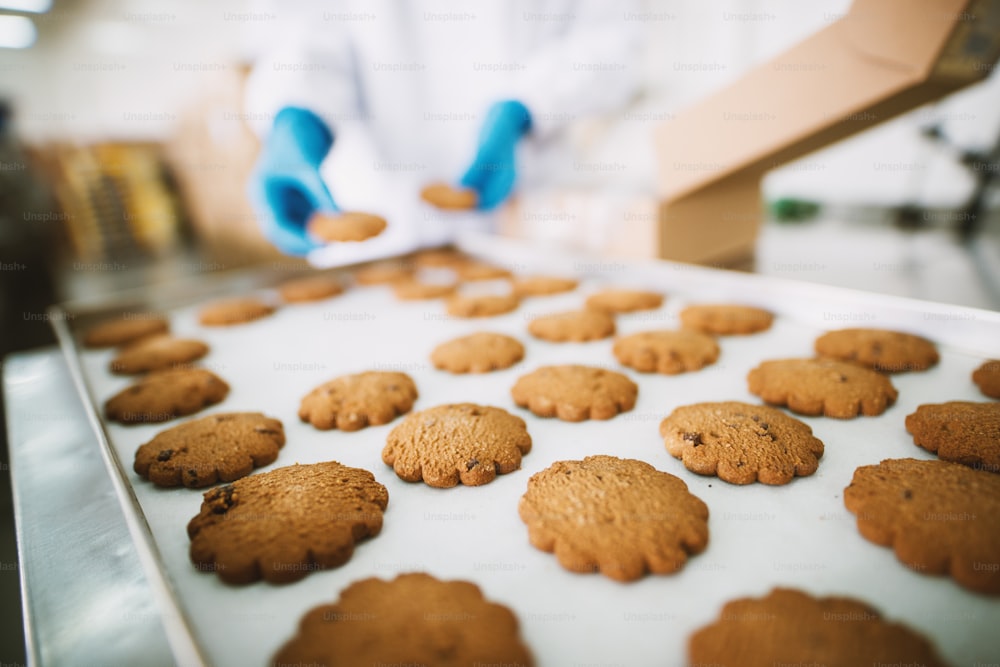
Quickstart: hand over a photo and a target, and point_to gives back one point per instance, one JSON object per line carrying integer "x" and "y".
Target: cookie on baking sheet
{"x": 128, "y": 328}
{"x": 155, "y": 353}
{"x": 416, "y": 290}
{"x": 472, "y": 270}
{"x": 576, "y": 326}
{"x": 450, "y": 197}
{"x": 667, "y": 352}
{"x": 383, "y": 273}
{"x": 822, "y": 387}
{"x": 542, "y": 285}
{"x": 726, "y": 319}
{"x": 352, "y": 402}
{"x": 345, "y": 226}
{"x": 283, "y": 524}
{"x": 218, "y": 448}
{"x": 939, "y": 517}
{"x": 481, "y": 305}
{"x": 457, "y": 443}
{"x": 741, "y": 443}
{"x": 624, "y": 300}
{"x": 414, "y": 619}
{"x": 233, "y": 311}
{"x": 882, "y": 350}
{"x": 163, "y": 395}
{"x": 959, "y": 431}
{"x": 790, "y": 627}
{"x": 438, "y": 258}
{"x": 310, "y": 288}
{"x": 574, "y": 393}
{"x": 987, "y": 378}
{"x": 621, "y": 517}
{"x": 480, "y": 352}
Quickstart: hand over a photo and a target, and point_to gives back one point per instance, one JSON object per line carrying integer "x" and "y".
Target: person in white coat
{"x": 362, "y": 103}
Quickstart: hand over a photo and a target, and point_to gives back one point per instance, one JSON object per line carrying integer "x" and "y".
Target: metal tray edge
{"x": 32, "y": 654}
{"x": 175, "y": 623}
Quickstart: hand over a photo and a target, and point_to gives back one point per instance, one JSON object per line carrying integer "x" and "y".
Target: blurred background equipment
{"x": 116, "y": 200}
{"x": 26, "y": 288}
{"x": 138, "y": 73}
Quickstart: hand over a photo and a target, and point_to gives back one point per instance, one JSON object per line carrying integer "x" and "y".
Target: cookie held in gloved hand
{"x": 345, "y": 226}
{"x": 450, "y": 198}
{"x": 492, "y": 173}
{"x": 285, "y": 187}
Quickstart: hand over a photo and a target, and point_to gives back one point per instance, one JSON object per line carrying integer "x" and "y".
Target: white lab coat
{"x": 405, "y": 86}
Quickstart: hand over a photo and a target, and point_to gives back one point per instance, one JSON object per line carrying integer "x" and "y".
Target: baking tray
{"x": 796, "y": 535}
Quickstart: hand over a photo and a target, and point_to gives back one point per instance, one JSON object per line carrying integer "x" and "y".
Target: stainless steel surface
{"x": 930, "y": 264}
{"x": 85, "y": 597}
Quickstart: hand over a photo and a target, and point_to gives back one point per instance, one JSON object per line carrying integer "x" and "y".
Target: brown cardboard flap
{"x": 776, "y": 104}
{"x": 818, "y": 91}
{"x": 902, "y": 33}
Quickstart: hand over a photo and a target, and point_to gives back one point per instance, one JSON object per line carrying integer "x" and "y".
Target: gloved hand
{"x": 492, "y": 172}
{"x": 285, "y": 187}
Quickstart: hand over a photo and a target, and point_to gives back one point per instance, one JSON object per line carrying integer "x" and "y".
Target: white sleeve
{"x": 593, "y": 67}
{"x": 311, "y": 66}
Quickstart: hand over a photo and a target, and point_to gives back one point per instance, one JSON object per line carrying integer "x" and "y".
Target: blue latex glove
{"x": 285, "y": 187}
{"x": 492, "y": 172}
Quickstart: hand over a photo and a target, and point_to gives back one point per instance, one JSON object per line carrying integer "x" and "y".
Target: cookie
{"x": 790, "y": 627}
{"x": 822, "y": 387}
{"x": 959, "y": 431}
{"x": 345, "y": 226}
{"x": 473, "y": 270}
{"x": 726, "y": 319}
{"x": 741, "y": 443}
{"x": 621, "y": 517}
{"x": 283, "y": 524}
{"x": 450, "y": 197}
{"x": 667, "y": 352}
{"x": 163, "y": 395}
{"x": 438, "y": 258}
{"x": 310, "y": 288}
{"x": 218, "y": 448}
{"x": 415, "y": 290}
{"x": 458, "y": 443}
{"x": 574, "y": 393}
{"x": 481, "y": 305}
{"x": 575, "y": 326}
{"x": 233, "y": 311}
{"x": 128, "y": 328}
{"x": 987, "y": 378}
{"x": 477, "y": 353}
{"x": 885, "y": 351}
{"x": 939, "y": 517}
{"x": 383, "y": 273}
{"x": 624, "y": 301}
{"x": 542, "y": 285}
{"x": 414, "y": 619}
{"x": 154, "y": 353}
{"x": 352, "y": 402}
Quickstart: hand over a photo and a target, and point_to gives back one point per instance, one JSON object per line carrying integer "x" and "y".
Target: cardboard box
{"x": 884, "y": 57}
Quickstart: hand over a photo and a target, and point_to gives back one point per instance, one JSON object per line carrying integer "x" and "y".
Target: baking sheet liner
{"x": 796, "y": 535}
